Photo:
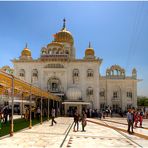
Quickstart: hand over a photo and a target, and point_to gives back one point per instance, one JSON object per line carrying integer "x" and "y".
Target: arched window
{"x": 102, "y": 92}
{"x": 115, "y": 71}
{"x": 43, "y": 52}
{"x": 75, "y": 73}
{"x": 89, "y": 91}
{"x": 129, "y": 94}
{"x": 34, "y": 75}
{"x": 54, "y": 50}
{"x": 22, "y": 73}
{"x": 115, "y": 94}
{"x": 57, "y": 52}
{"x": 54, "y": 85}
{"x": 61, "y": 51}
{"x": 50, "y": 52}
{"x": 75, "y": 76}
{"x": 90, "y": 73}
{"x": 67, "y": 52}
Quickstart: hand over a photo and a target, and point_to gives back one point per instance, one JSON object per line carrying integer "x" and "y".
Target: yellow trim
{"x": 26, "y": 88}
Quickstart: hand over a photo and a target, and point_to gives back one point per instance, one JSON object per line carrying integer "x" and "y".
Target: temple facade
{"x": 77, "y": 81}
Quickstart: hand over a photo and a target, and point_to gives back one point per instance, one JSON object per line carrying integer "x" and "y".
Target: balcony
{"x": 116, "y": 99}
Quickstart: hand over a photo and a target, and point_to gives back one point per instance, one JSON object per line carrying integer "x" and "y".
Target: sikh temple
{"x": 77, "y": 82}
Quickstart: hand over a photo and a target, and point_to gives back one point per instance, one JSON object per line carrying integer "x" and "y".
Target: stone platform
{"x": 62, "y": 135}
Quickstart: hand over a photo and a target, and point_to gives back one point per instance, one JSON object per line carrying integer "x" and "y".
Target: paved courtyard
{"x": 62, "y": 135}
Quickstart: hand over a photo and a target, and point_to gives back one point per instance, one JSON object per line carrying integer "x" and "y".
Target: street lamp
{"x": 30, "y": 97}
{"x": 12, "y": 106}
{"x": 41, "y": 109}
{"x": 22, "y": 104}
{"x": 48, "y": 111}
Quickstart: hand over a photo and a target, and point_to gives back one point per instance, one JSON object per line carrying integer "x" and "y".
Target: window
{"x": 102, "y": 94}
{"x": 129, "y": 106}
{"x": 75, "y": 76}
{"x": 22, "y": 73}
{"x": 54, "y": 85}
{"x": 129, "y": 94}
{"x": 115, "y": 94}
{"x": 75, "y": 73}
{"x": 102, "y": 106}
{"x": 89, "y": 91}
{"x": 34, "y": 73}
{"x": 90, "y": 73}
{"x": 56, "y": 65}
{"x": 67, "y": 52}
{"x": 43, "y": 52}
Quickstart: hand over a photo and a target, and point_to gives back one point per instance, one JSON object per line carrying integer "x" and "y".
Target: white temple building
{"x": 77, "y": 81}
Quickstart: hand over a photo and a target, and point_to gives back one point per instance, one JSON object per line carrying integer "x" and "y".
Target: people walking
{"x": 133, "y": 119}
{"x": 83, "y": 121}
{"x": 136, "y": 118}
{"x": 5, "y": 115}
{"x": 141, "y": 118}
{"x": 52, "y": 117}
{"x": 130, "y": 120}
{"x": 76, "y": 120}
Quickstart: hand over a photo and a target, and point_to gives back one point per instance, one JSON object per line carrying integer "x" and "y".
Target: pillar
{"x": 41, "y": 111}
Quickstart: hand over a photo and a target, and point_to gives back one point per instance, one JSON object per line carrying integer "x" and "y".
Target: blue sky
{"x": 118, "y": 31}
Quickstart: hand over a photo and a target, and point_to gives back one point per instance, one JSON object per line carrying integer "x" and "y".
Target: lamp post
{"x": 41, "y": 110}
{"x": 30, "y": 97}
{"x": 48, "y": 111}
{"x": 12, "y": 97}
{"x": 22, "y": 106}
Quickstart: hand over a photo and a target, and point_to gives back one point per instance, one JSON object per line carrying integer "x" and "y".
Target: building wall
{"x": 65, "y": 75}
{"x": 122, "y": 86}
{"x": 128, "y": 84}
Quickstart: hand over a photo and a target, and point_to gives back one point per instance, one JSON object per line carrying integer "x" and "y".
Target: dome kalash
{"x": 89, "y": 52}
{"x": 64, "y": 35}
{"x": 26, "y": 53}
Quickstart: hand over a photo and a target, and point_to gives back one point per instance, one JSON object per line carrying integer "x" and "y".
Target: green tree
{"x": 142, "y": 101}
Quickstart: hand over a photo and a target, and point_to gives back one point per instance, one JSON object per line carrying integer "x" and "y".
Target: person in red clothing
{"x": 141, "y": 118}
{"x": 136, "y": 118}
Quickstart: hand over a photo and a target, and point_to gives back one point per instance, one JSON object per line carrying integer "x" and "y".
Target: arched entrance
{"x": 54, "y": 85}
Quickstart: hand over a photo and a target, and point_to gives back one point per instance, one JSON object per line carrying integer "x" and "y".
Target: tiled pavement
{"x": 96, "y": 136}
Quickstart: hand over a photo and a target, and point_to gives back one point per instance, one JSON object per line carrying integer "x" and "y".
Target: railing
{"x": 116, "y": 99}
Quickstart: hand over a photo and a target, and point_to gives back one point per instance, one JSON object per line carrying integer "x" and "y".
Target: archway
{"x": 54, "y": 85}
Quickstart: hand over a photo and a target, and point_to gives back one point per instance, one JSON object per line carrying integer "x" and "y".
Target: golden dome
{"x": 64, "y": 35}
{"x": 26, "y": 52}
{"x": 55, "y": 44}
{"x": 89, "y": 51}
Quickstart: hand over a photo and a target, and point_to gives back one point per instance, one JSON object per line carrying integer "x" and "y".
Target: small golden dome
{"x": 64, "y": 35}
{"x": 89, "y": 51}
{"x": 26, "y": 52}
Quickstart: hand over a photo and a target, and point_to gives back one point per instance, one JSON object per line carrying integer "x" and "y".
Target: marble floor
{"x": 62, "y": 135}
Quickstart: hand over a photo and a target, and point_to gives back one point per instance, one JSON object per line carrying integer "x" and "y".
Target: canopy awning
{"x": 77, "y": 103}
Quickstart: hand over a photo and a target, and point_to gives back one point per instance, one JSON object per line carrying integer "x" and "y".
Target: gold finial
{"x": 26, "y": 46}
{"x": 89, "y": 46}
{"x": 64, "y": 24}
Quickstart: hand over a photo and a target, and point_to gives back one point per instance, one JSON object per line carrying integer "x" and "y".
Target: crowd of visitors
{"x": 93, "y": 113}
{"x": 134, "y": 117}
